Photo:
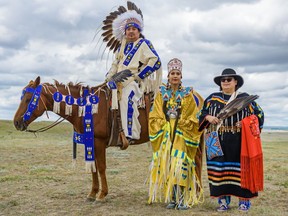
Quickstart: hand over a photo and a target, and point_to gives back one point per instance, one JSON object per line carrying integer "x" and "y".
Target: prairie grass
{"x": 37, "y": 177}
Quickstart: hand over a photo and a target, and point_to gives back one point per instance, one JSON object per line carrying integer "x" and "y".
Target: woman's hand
{"x": 238, "y": 124}
{"x": 212, "y": 119}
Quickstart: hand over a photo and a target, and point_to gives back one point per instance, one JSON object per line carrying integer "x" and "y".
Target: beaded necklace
{"x": 172, "y": 100}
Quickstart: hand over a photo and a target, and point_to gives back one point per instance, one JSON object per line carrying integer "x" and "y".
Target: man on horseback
{"x": 136, "y": 54}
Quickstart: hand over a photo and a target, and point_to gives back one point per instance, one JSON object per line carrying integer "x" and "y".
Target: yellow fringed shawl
{"x": 173, "y": 164}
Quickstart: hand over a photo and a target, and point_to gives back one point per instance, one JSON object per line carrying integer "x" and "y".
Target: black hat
{"x": 228, "y": 72}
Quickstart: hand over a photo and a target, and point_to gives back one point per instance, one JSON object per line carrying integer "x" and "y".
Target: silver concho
{"x": 172, "y": 114}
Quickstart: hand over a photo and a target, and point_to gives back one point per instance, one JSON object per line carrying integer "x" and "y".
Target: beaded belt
{"x": 224, "y": 129}
{"x": 229, "y": 129}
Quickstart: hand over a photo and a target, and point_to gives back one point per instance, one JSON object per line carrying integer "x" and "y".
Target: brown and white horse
{"x": 102, "y": 123}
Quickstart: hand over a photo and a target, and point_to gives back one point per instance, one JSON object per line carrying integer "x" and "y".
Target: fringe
{"x": 56, "y": 107}
{"x": 68, "y": 109}
{"x": 159, "y": 171}
{"x": 114, "y": 99}
{"x": 81, "y": 111}
{"x": 152, "y": 83}
{"x": 186, "y": 187}
{"x": 94, "y": 108}
{"x": 164, "y": 182}
{"x": 90, "y": 166}
{"x": 252, "y": 173}
{"x": 158, "y": 80}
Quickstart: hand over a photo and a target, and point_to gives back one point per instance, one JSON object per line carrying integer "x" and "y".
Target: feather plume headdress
{"x": 118, "y": 21}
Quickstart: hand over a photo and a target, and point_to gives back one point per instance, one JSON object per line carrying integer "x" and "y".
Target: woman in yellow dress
{"x": 173, "y": 131}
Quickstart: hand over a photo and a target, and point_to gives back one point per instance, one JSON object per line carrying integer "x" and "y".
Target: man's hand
{"x": 238, "y": 124}
{"x": 127, "y": 81}
{"x": 111, "y": 85}
{"x": 137, "y": 78}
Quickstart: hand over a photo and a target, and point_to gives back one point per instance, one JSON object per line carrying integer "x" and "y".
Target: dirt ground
{"x": 37, "y": 178}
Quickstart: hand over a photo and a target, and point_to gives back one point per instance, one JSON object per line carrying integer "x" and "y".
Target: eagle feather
{"x": 121, "y": 76}
{"x": 235, "y": 106}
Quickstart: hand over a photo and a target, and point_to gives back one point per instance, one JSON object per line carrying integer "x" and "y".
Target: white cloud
{"x": 54, "y": 40}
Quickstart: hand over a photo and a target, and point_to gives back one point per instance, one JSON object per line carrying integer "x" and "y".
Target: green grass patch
{"x": 10, "y": 178}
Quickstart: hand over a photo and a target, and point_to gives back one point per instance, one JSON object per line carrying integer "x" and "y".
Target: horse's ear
{"x": 37, "y": 81}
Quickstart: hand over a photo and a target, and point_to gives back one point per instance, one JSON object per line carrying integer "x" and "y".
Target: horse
{"x": 102, "y": 123}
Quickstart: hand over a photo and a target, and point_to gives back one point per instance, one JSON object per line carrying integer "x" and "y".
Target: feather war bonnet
{"x": 118, "y": 21}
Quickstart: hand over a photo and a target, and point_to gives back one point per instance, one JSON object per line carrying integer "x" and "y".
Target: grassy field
{"x": 37, "y": 177}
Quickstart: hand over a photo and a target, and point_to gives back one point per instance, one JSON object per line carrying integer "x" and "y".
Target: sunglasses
{"x": 228, "y": 79}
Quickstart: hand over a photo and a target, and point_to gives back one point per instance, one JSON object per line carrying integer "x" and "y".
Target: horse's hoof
{"x": 124, "y": 147}
{"x": 102, "y": 200}
{"x": 90, "y": 199}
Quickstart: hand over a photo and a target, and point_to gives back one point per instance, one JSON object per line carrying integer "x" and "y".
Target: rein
{"x": 58, "y": 121}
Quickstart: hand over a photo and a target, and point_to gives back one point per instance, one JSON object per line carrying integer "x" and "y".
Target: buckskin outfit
{"x": 174, "y": 135}
{"x": 142, "y": 60}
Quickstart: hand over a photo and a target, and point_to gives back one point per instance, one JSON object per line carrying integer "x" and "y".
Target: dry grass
{"x": 37, "y": 178}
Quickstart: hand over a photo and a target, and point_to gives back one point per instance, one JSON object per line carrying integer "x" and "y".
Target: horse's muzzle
{"x": 20, "y": 125}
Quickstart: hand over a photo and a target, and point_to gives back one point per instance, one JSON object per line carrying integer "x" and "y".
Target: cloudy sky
{"x": 55, "y": 40}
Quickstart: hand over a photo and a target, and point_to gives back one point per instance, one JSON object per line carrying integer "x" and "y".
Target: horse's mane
{"x": 77, "y": 86}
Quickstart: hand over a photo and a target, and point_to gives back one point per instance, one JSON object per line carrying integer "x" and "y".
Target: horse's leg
{"x": 100, "y": 156}
{"x": 95, "y": 187}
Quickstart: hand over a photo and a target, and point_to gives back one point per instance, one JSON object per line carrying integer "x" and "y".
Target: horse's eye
{"x": 27, "y": 100}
